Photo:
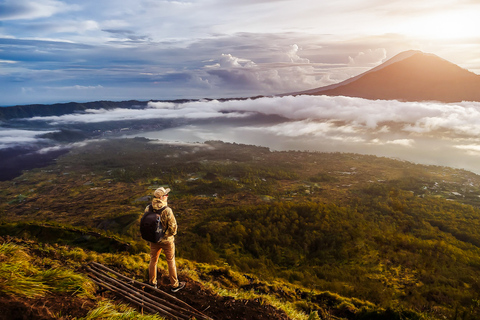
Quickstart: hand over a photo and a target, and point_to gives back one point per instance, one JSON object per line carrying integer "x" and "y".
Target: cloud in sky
{"x": 61, "y": 51}
{"x": 32, "y": 9}
{"x": 427, "y": 132}
{"x": 373, "y": 57}
{"x": 10, "y": 138}
{"x": 382, "y": 116}
{"x": 211, "y": 48}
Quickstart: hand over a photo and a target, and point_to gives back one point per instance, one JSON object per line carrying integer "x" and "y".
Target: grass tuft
{"x": 65, "y": 281}
{"x": 20, "y": 277}
{"x": 110, "y": 311}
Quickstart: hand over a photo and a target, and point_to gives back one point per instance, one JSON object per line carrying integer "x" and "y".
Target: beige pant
{"x": 169, "y": 251}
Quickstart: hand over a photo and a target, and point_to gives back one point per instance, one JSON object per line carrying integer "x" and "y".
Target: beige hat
{"x": 161, "y": 192}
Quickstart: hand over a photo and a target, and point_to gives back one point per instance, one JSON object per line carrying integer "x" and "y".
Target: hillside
{"x": 410, "y": 76}
{"x": 42, "y": 110}
{"x": 58, "y": 109}
{"x": 51, "y": 282}
{"x": 346, "y": 235}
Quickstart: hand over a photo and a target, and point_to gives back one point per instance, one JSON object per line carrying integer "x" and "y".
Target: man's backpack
{"x": 150, "y": 225}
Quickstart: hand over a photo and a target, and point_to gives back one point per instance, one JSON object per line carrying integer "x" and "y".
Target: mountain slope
{"x": 372, "y": 229}
{"x": 410, "y": 76}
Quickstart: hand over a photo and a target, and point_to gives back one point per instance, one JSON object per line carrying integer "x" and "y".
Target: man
{"x": 167, "y": 244}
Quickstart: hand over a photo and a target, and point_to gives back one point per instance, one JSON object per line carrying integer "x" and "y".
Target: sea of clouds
{"x": 422, "y": 132}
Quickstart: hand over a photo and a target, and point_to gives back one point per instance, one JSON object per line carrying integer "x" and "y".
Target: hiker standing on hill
{"x": 167, "y": 244}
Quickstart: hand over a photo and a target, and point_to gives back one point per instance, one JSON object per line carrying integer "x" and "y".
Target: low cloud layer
{"x": 426, "y": 132}
{"x": 354, "y": 115}
{"x": 10, "y": 138}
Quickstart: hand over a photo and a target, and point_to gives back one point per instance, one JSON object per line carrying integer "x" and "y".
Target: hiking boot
{"x": 153, "y": 285}
{"x": 180, "y": 286}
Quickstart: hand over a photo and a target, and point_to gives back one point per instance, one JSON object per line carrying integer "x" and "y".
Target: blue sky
{"x": 59, "y": 51}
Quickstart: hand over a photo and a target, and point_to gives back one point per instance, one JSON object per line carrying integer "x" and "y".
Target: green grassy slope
{"x": 391, "y": 234}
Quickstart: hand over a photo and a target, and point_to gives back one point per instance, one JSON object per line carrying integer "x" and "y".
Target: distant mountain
{"x": 409, "y": 76}
{"x": 58, "y": 109}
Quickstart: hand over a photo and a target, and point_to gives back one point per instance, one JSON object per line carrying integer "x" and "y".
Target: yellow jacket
{"x": 169, "y": 223}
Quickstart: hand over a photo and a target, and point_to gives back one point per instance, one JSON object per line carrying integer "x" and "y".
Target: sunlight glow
{"x": 447, "y": 25}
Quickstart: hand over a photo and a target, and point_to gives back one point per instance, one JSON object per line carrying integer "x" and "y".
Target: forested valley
{"x": 336, "y": 235}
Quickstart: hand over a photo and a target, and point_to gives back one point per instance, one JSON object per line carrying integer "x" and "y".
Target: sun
{"x": 446, "y": 25}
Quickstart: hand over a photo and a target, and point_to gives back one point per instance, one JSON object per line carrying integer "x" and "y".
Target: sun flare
{"x": 447, "y": 25}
